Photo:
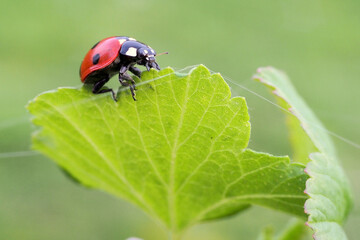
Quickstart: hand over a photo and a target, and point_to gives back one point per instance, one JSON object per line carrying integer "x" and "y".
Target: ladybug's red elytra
{"x": 116, "y": 55}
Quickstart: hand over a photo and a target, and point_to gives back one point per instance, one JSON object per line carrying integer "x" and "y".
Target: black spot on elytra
{"x": 95, "y": 45}
{"x": 96, "y": 58}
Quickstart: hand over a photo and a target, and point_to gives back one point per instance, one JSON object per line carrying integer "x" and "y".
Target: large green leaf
{"x": 328, "y": 188}
{"x": 179, "y": 152}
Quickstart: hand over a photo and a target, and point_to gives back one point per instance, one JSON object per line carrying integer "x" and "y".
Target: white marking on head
{"x": 132, "y": 52}
{"x": 121, "y": 41}
{"x": 149, "y": 56}
{"x": 132, "y": 39}
{"x": 152, "y": 51}
{"x": 146, "y": 51}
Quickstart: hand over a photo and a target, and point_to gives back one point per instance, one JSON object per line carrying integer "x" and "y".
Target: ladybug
{"x": 116, "y": 55}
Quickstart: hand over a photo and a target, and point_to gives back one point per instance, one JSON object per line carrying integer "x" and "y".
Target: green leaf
{"x": 296, "y": 230}
{"x": 330, "y": 196}
{"x": 179, "y": 152}
{"x": 267, "y": 233}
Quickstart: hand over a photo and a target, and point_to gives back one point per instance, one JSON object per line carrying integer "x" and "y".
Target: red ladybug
{"x": 116, "y": 55}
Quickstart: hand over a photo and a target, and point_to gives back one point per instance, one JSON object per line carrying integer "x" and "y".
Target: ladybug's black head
{"x": 139, "y": 53}
{"x": 146, "y": 57}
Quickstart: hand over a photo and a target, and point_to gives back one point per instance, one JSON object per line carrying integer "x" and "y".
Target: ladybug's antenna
{"x": 162, "y": 53}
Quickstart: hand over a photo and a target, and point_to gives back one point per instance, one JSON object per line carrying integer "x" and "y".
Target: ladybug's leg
{"x": 129, "y": 78}
{"x": 123, "y": 77}
{"x": 123, "y": 81}
{"x": 123, "y": 69}
{"x": 97, "y": 88}
{"x": 135, "y": 71}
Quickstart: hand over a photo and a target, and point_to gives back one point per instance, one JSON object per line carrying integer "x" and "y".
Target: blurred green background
{"x": 42, "y": 43}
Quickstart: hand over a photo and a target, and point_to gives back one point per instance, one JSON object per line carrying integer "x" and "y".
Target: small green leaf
{"x": 267, "y": 233}
{"x": 330, "y": 196}
{"x": 295, "y": 230}
{"x": 179, "y": 152}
